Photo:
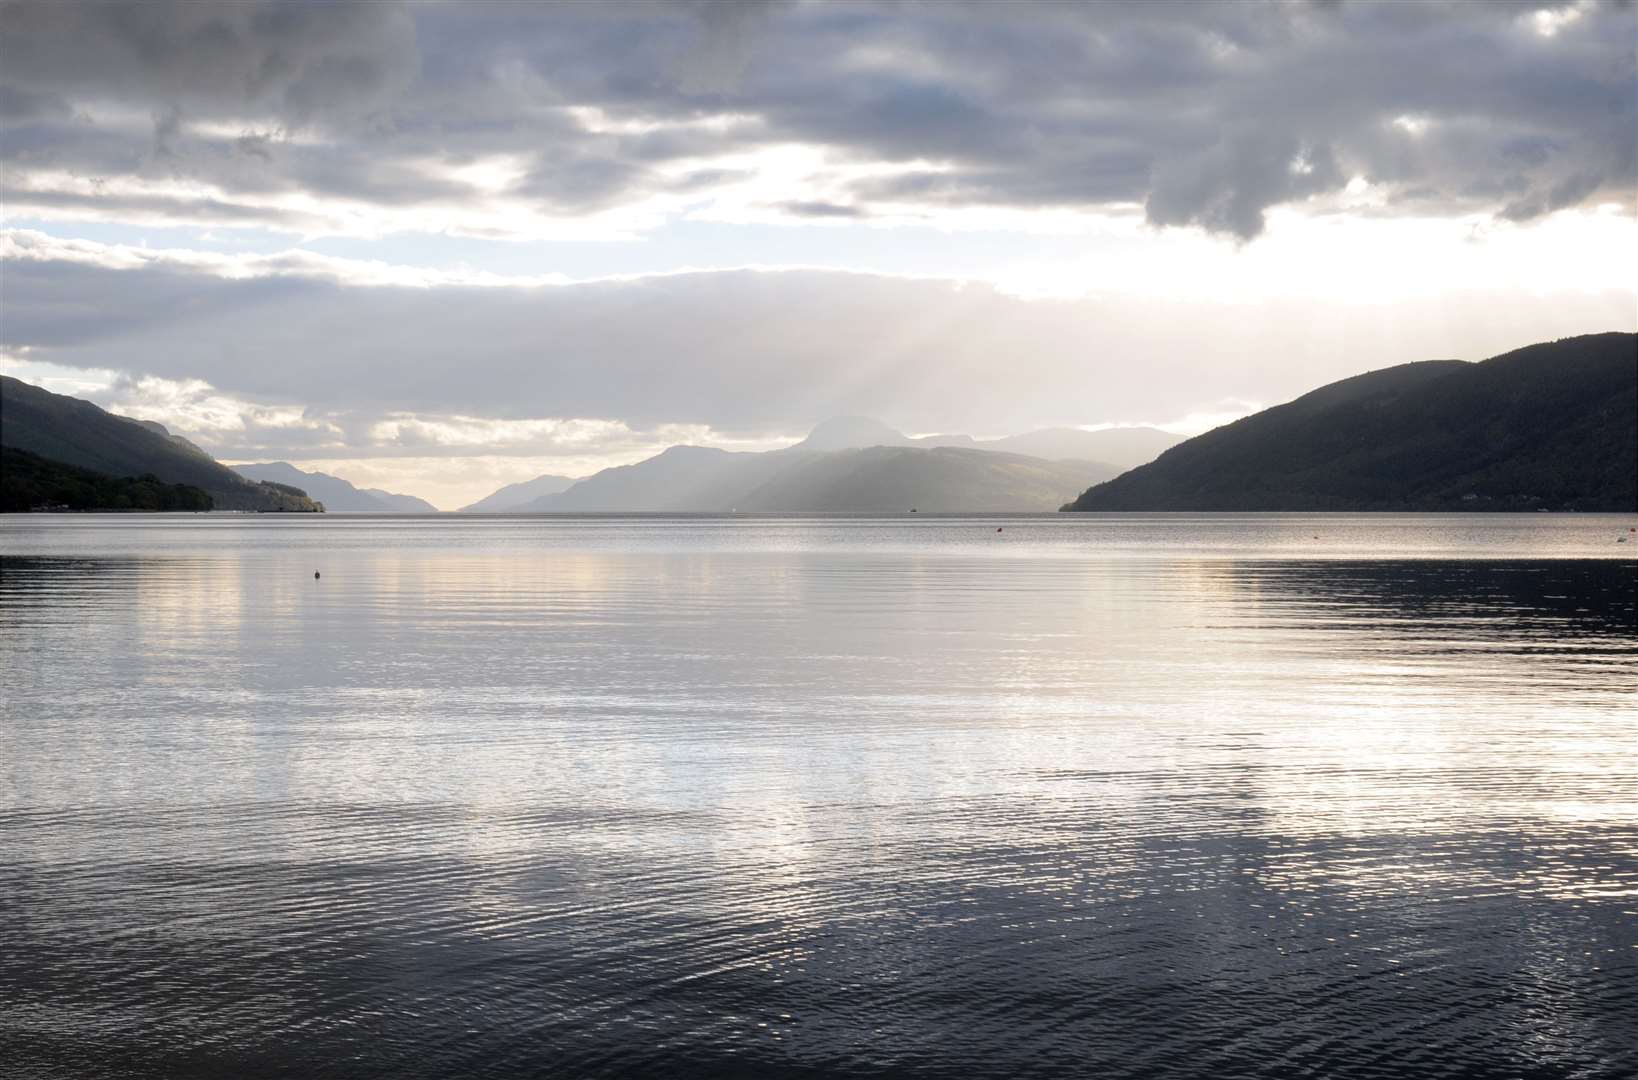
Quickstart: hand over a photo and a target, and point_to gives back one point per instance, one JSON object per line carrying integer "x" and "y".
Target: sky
{"x": 437, "y": 248}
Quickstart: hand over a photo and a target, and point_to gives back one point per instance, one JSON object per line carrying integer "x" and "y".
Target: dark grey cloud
{"x": 1227, "y": 186}
{"x": 1207, "y": 114}
{"x": 814, "y": 208}
{"x": 214, "y": 211}
{"x": 18, "y": 105}
{"x": 300, "y": 59}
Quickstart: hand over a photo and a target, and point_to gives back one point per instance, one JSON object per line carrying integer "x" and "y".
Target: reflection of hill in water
{"x": 1475, "y": 601}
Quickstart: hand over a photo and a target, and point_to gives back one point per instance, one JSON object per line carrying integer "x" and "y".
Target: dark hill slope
{"x": 1548, "y": 426}
{"x": 30, "y": 482}
{"x": 76, "y": 432}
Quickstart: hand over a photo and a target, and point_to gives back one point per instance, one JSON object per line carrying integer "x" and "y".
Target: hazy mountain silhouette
{"x": 699, "y": 478}
{"x": 514, "y": 497}
{"x": 399, "y": 504}
{"x": 334, "y": 492}
{"x": 827, "y": 471}
{"x": 74, "y": 432}
{"x": 680, "y": 478}
{"x": 851, "y": 433}
{"x": 1124, "y": 447}
{"x": 1550, "y": 426}
{"x": 943, "y": 478}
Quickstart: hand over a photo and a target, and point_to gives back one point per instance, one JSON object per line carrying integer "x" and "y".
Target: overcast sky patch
{"x": 413, "y": 232}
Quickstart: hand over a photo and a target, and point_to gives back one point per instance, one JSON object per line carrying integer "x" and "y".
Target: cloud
{"x": 299, "y": 61}
{"x": 30, "y": 246}
{"x": 519, "y": 121}
{"x": 377, "y": 360}
{"x": 451, "y": 382}
{"x": 820, "y": 209}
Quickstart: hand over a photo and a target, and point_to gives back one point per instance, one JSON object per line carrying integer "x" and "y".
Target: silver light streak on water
{"x": 1128, "y": 796}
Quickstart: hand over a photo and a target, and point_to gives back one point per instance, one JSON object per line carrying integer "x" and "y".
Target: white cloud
{"x": 1547, "y": 22}
{"x": 30, "y": 245}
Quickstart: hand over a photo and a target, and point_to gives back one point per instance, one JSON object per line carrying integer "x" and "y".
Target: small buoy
{"x": 315, "y": 575}
{"x": 998, "y": 530}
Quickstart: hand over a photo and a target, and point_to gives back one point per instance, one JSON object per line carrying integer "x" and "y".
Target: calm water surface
{"x": 1129, "y": 796}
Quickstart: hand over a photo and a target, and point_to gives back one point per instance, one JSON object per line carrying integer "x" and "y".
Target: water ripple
{"x": 1131, "y": 798}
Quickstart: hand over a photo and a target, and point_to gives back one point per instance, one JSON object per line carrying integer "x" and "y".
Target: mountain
{"x": 681, "y": 478}
{"x": 74, "y": 432}
{"x": 799, "y": 478}
{"x": 943, "y": 478}
{"x": 851, "y": 433}
{"x": 1550, "y": 426}
{"x": 160, "y": 429}
{"x": 399, "y": 504}
{"x": 515, "y": 497}
{"x": 31, "y": 482}
{"x": 334, "y": 492}
{"x": 1125, "y": 447}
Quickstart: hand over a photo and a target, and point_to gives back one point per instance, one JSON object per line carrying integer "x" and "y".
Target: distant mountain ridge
{"x": 843, "y": 465}
{"x": 514, "y": 497}
{"x": 864, "y": 480}
{"x": 334, "y": 492}
{"x": 680, "y": 478}
{"x": 1549, "y": 426}
{"x": 851, "y": 433}
{"x": 70, "y": 431}
{"x": 400, "y": 504}
{"x": 1122, "y": 446}
{"x": 949, "y": 479}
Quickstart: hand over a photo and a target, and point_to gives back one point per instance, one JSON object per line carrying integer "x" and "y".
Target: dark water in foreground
{"x": 1224, "y": 796}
